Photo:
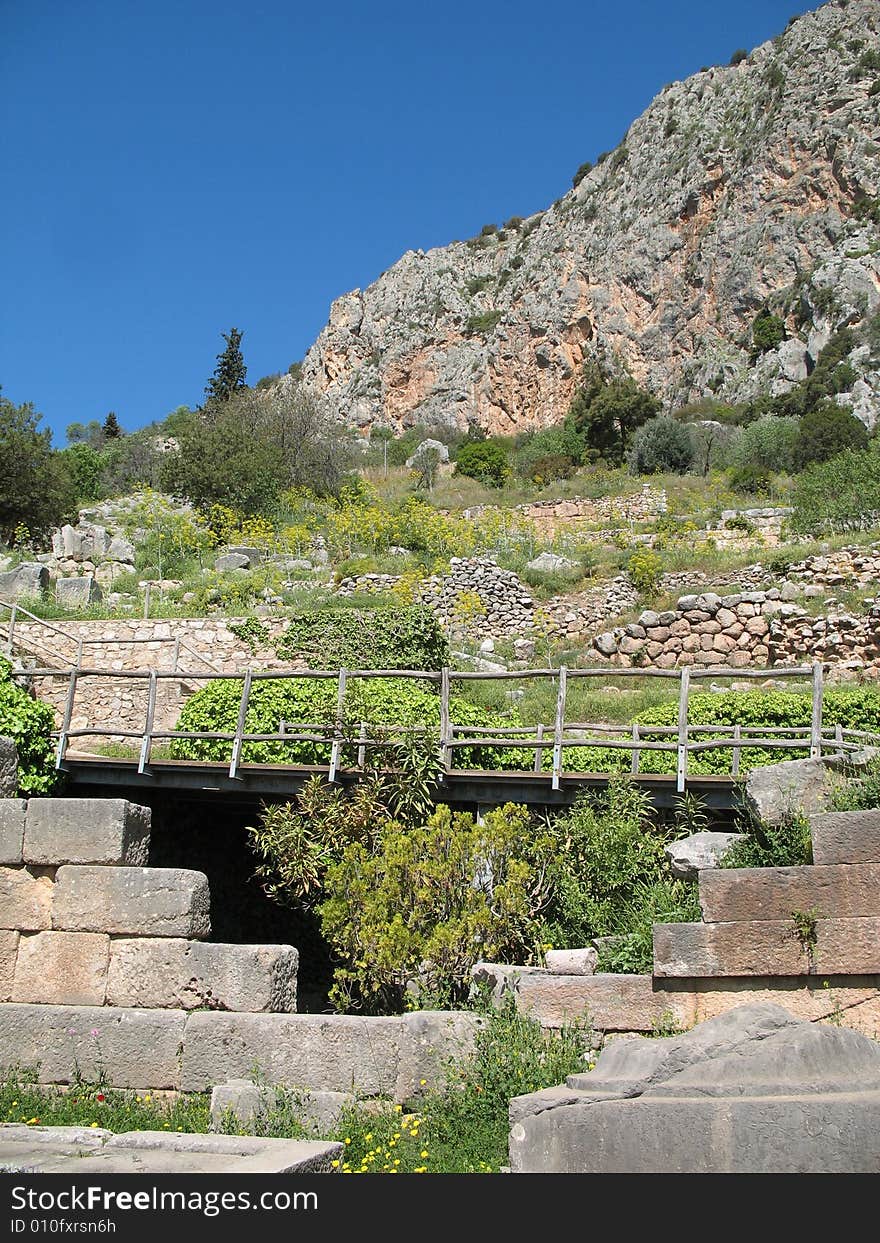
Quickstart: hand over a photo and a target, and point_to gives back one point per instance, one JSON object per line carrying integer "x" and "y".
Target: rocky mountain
{"x": 750, "y": 186}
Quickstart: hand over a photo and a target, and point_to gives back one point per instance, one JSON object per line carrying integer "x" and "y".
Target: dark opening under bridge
{"x": 550, "y": 776}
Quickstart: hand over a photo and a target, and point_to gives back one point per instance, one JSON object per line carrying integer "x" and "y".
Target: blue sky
{"x": 175, "y": 168}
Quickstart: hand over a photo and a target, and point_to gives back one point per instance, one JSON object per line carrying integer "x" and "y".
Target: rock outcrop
{"x": 743, "y": 186}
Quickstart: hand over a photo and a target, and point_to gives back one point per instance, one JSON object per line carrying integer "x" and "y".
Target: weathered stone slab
{"x": 130, "y": 1048}
{"x": 62, "y": 968}
{"x": 12, "y": 813}
{"x": 329, "y": 1053}
{"x": 846, "y": 837}
{"x": 572, "y": 962}
{"x": 627, "y": 1003}
{"x": 690, "y": 855}
{"x": 25, "y": 900}
{"x": 728, "y": 895}
{"x": 767, "y": 947}
{"x": 852, "y": 1000}
{"x": 428, "y": 1042}
{"x": 776, "y": 790}
{"x": 86, "y": 831}
{"x": 248, "y": 1102}
{"x": 8, "y": 951}
{"x": 28, "y": 581}
{"x": 63, "y": 1150}
{"x": 132, "y": 901}
{"x": 76, "y": 593}
{"x": 8, "y": 770}
{"x": 189, "y": 975}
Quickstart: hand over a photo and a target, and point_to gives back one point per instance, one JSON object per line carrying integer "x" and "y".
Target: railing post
{"x": 362, "y": 745}
{"x": 148, "y": 587}
{"x": 239, "y": 730}
{"x": 838, "y": 737}
{"x": 337, "y": 741}
{"x": 539, "y": 750}
{"x": 146, "y": 745}
{"x": 175, "y": 655}
{"x": 12, "y": 619}
{"x": 681, "y": 755}
{"x": 445, "y": 735}
{"x": 734, "y": 763}
{"x": 636, "y": 754}
{"x": 816, "y": 722}
{"x": 68, "y": 716}
{"x": 558, "y": 727}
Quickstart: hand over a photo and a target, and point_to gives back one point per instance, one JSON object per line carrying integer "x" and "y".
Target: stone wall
{"x": 550, "y": 516}
{"x": 106, "y": 969}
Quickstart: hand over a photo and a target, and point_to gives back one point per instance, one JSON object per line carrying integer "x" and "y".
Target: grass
{"x": 460, "y": 1129}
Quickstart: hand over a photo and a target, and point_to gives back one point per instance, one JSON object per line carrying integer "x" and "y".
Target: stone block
{"x": 775, "y": 790}
{"x": 8, "y": 951}
{"x": 231, "y": 561}
{"x": 572, "y": 962}
{"x": 12, "y": 815}
{"x": 767, "y": 947}
{"x": 25, "y": 900}
{"x": 627, "y": 1003}
{"x": 108, "y": 831}
{"x": 846, "y": 837}
{"x": 62, "y": 968}
{"x": 328, "y": 1053}
{"x": 186, "y": 975}
{"x": 249, "y": 1102}
{"x": 8, "y": 769}
{"x": 428, "y": 1041}
{"x": 132, "y": 901}
{"x": 131, "y": 1048}
{"x": 732, "y": 894}
{"x": 28, "y": 581}
{"x": 689, "y": 855}
{"x": 76, "y": 593}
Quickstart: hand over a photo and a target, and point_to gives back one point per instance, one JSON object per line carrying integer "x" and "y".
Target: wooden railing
{"x": 683, "y": 739}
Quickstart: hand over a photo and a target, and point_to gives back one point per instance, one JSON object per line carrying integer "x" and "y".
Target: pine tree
{"x": 230, "y": 373}
{"x": 111, "y": 429}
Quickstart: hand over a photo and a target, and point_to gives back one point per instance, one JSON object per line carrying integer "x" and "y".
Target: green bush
{"x": 645, "y": 568}
{"x": 842, "y": 494}
{"x": 786, "y": 844}
{"x": 551, "y": 453}
{"x": 415, "y": 913}
{"x": 406, "y": 637}
{"x": 29, "y": 723}
{"x": 768, "y": 331}
{"x": 661, "y": 446}
{"x": 765, "y": 448}
{"x": 379, "y": 702}
{"x": 483, "y": 460}
{"x": 483, "y": 323}
{"x": 825, "y": 431}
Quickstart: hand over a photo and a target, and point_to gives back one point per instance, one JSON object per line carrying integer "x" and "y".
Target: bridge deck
{"x": 205, "y": 781}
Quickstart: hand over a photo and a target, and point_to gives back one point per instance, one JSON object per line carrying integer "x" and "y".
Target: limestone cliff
{"x": 742, "y": 186}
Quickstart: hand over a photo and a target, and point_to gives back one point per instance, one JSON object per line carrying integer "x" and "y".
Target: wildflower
{"x": 93, "y": 1124}
{"x": 422, "y": 1082}
{"x": 100, "y": 1097}
{"x": 94, "y": 1032}
{"x": 347, "y": 1140}
{"x": 335, "y": 1165}
{"x": 423, "y": 1153}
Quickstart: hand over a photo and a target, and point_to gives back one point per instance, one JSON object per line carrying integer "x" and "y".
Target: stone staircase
{"x": 821, "y": 919}
{"x": 106, "y": 971}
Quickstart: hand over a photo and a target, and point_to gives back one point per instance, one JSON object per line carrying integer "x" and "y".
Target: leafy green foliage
{"x": 28, "y": 722}
{"x": 606, "y": 412}
{"x": 861, "y": 792}
{"x": 416, "y": 912}
{"x": 35, "y": 489}
{"x": 661, "y": 446}
{"x": 765, "y": 448}
{"x": 95, "y": 1104}
{"x": 768, "y": 331}
{"x": 482, "y": 323}
{"x": 403, "y": 637}
{"x": 484, "y": 460}
{"x": 312, "y": 701}
{"x": 786, "y": 844}
{"x": 842, "y": 494}
{"x": 581, "y": 173}
{"x": 645, "y": 568}
{"x": 825, "y": 431}
{"x": 552, "y": 453}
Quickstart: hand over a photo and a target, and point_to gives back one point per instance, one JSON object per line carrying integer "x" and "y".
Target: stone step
{"x": 165, "y": 972}
{"x": 728, "y": 895}
{"x": 846, "y": 837}
{"x": 12, "y": 813}
{"x": 767, "y": 948}
{"x": 109, "y": 831}
{"x": 611, "y": 1002}
{"x": 132, "y": 901}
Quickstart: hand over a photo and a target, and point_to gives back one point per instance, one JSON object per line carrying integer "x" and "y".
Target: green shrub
{"x": 861, "y": 792}
{"x": 405, "y": 637}
{"x": 551, "y": 453}
{"x": 645, "y": 568}
{"x": 786, "y": 844}
{"x": 417, "y": 911}
{"x": 825, "y": 431}
{"x": 379, "y": 702}
{"x": 29, "y": 723}
{"x": 483, "y": 460}
{"x": 483, "y": 323}
{"x": 765, "y": 448}
{"x": 581, "y": 173}
{"x": 768, "y": 331}
{"x": 842, "y": 494}
{"x": 661, "y": 446}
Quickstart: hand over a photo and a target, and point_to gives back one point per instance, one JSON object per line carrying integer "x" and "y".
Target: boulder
{"x": 121, "y": 550}
{"x": 426, "y": 446}
{"x": 74, "y": 593}
{"x": 691, "y": 855}
{"x": 28, "y": 581}
{"x": 254, "y": 555}
{"x": 753, "y": 1090}
{"x": 572, "y": 962}
{"x": 231, "y": 561}
{"x": 547, "y": 562}
{"x": 777, "y": 790}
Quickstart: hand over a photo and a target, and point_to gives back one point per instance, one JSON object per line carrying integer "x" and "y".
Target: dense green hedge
{"x": 29, "y": 723}
{"x": 377, "y": 701}
{"x": 407, "y": 637}
{"x": 851, "y": 707}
